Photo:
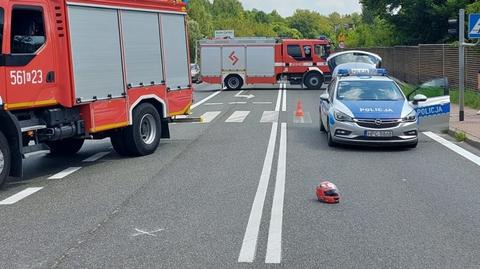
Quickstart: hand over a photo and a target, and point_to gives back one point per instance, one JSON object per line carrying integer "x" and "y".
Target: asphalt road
{"x": 237, "y": 191}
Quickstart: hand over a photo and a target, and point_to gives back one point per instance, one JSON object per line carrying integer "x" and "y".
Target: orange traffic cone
{"x": 299, "y": 112}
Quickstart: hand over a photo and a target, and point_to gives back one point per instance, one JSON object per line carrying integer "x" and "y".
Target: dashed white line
{"x": 459, "y": 150}
{"x": 210, "y": 116}
{"x": 19, "y": 196}
{"x": 249, "y": 245}
{"x": 284, "y": 105}
{"x": 270, "y": 116}
{"x": 96, "y": 157}
{"x": 65, "y": 173}
{"x": 274, "y": 244}
{"x": 213, "y": 104}
{"x": 262, "y": 103}
{"x": 237, "y": 103}
{"x": 205, "y": 99}
{"x": 238, "y": 116}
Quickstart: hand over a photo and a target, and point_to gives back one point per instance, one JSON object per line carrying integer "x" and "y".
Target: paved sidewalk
{"x": 471, "y": 125}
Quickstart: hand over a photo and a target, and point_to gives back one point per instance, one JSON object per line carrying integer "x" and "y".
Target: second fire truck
{"x": 236, "y": 62}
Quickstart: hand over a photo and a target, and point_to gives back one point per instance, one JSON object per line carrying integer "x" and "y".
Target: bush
{"x": 460, "y": 136}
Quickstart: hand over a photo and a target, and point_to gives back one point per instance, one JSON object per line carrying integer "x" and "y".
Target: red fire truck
{"x": 235, "y": 62}
{"x": 72, "y": 70}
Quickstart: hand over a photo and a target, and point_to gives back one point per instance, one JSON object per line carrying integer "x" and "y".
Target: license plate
{"x": 378, "y": 133}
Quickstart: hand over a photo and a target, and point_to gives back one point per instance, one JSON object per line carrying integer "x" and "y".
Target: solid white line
{"x": 249, "y": 245}
{"x": 269, "y": 116}
{"x": 96, "y": 157}
{"x": 19, "y": 196}
{"x": 209, "y": 116}
{"x": 284, "y": 105}
{"x": 459, "y": 150}
{"x": 274, "y": 245}
{"x": 238, "y": 116}
{"x": 279, "y": 99}
{"x": 65, "y": 173}
{"x": 205, "y": 100}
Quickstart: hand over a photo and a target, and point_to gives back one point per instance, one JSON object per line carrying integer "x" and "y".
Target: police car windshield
{"x": 368, "y": 90}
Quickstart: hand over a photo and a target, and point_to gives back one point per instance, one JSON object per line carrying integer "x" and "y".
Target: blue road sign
{"x": 474, "y": 26}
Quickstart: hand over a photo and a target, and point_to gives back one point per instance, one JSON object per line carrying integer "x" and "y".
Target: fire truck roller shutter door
{"x": 260, "y": 61}
{"x": 143, "y": 58}
{"x": 97, "y": 63}
{"x": 175, "y": 51}
{"x": 211, "y": 61}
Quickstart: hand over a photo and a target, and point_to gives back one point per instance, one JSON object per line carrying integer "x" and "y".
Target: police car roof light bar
{"x": 362, "y": 72}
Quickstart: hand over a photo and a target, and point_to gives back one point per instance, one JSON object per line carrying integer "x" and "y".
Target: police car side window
{"x": 331, "y": 89}
{"x": 28, "y": 29}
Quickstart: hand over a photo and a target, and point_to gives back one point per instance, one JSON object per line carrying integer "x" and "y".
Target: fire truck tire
{"x": 143, "y": 137}
{"x": 118, "y": 143}
{"x": 5, "y": 159}
{"x": 234, "y": 82}
{"x": 65, "y": 147}
{"x": 314, "y": 81}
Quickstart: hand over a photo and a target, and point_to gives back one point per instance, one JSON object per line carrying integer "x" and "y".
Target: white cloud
{"x": 287, "y": 7}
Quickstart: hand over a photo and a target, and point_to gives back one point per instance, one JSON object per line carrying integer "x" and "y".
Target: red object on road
{"x": 299, "y": 112}
{"x": 328, "y": 193}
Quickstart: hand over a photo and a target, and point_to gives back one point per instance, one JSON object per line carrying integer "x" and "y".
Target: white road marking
{"x": 270, "y": 116}
{"x": 249, "y": 245}
{"x": 262, "y": 103}
{"x": 65, "y": 173}
{"x": 19, "y": 196}
{"x": 96, "y": 157}
{"x": 210, "y": 116}
{"x": 239, "y": 94}
{"x": 213, "y": 104}
{"x": 140, "y": 232}
{"x": 459, "y": 150}
{"x": 284, "y": 105}
{"x": 307, "y": 119}
{"x": 237, "y": 103}
{"x": 274, "y": 244}
{"x": 279, "y": 99}
{"x": 205, "y": 99}
{"x": 238, "y": 116}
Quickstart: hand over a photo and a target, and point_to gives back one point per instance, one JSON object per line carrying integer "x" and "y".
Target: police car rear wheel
{"x": 5, "y": 159}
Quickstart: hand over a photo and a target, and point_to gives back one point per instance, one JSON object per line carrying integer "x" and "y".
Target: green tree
{"x": 194, "y": 34}
{"x": 310, "y": 24}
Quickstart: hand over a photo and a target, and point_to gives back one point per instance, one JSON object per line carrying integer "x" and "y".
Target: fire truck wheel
{"x": 118, "y": 143}
{"x": 143, "y": 137}
{"x": 69, "y": 146}
{"x": 233, "y": 82}
{"x": 314, "y": 81}
{"x": 5, "y": 159}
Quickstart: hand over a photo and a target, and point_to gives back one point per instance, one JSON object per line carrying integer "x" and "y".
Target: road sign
{"x": 222, "y": 34}
{"x": 474, "y": 26}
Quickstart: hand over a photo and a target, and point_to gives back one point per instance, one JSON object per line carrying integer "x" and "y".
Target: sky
{"x": 287, "y": 7}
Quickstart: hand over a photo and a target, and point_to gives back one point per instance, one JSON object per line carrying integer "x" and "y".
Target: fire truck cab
{"x": 240, "y": 61}
{"x": 89, "y": 69}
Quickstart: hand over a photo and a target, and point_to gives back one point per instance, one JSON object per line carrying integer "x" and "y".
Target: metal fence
{"x": 417, "y": 64}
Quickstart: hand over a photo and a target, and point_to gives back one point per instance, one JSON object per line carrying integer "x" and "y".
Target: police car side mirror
{"x": 325, "y": 97}
{"x": 419, "y": 98}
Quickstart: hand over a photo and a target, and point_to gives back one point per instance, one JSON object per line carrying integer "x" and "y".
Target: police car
{"x": 363, "y": 105}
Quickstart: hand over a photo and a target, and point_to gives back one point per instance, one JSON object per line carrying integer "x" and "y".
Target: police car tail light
{"x": 412, "y": 117}
{"x": 340, "y": 116}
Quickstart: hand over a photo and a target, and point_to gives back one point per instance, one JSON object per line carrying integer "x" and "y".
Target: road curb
{"x": 474, "y": 142}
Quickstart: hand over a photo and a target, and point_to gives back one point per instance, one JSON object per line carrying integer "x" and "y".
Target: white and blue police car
{"x": 363, "y": 105}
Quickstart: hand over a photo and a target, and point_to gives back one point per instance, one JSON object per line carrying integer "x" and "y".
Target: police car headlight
{"x": 412, "y": 117}
{"x": 340, "y": 116}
